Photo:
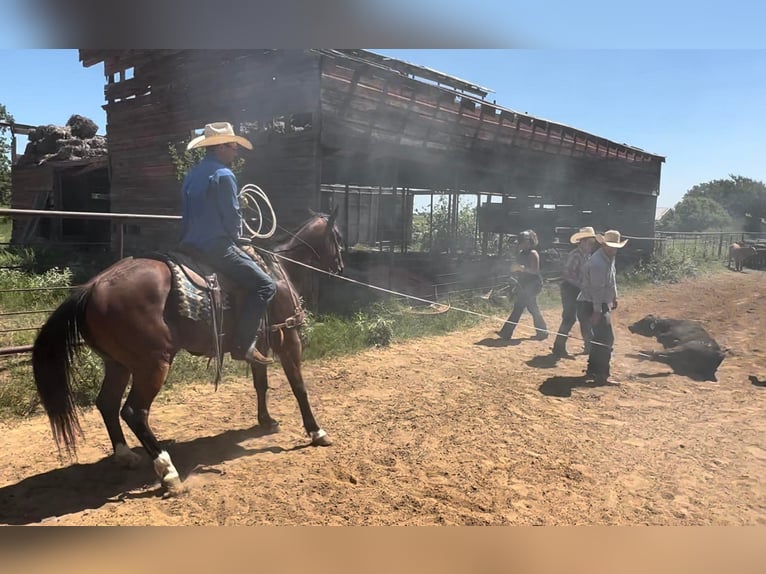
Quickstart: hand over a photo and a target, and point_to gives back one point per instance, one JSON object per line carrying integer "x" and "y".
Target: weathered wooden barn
{"x": 367, "y": 133}
{"x": 326, "y": 119}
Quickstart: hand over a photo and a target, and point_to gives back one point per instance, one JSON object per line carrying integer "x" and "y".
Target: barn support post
{"x": 346, "y": 209}
{"x": 476, "y": 221}
{"x": 431, "y": 225}
{"x": 377, "y": 221}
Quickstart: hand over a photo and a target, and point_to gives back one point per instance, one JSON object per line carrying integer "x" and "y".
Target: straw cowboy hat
{"x": 612, "y": 239}
{"x": 218, "y": 133}
{"x": 584, "y": 233}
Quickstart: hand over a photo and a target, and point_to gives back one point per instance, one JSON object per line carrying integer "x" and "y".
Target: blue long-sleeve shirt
{"x": 211, "y": 213}
{"x": 600, "y": 283}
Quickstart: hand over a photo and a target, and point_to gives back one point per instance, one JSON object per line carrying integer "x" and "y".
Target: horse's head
{"x": 325, "y": 241}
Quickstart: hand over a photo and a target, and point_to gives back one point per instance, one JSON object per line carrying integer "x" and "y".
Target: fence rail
{"x": 711, "y": 244}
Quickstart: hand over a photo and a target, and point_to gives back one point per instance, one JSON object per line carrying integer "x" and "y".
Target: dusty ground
{"x": 446, "y": 430}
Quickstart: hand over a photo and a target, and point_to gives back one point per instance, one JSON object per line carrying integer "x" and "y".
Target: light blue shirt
{"x": 211, "y": 213}
{"x": 600, "y": 281}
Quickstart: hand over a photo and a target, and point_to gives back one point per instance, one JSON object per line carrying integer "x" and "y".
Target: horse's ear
{"x": 312, "y": 212}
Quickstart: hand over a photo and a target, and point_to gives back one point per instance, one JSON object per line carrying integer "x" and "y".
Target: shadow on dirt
{"x": 546, "y": 361}
{"x": 500, "y": 342}
{"x": 562, "y": 386}
{"x": 79, "y": 487}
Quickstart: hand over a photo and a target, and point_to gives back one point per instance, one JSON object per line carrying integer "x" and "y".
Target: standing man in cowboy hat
{"x": 571, "y": 285}
{"x": 211, "y": 224}
{"x": 597, "y": 298}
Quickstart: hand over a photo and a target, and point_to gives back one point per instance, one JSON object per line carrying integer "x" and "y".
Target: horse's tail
{"x": 53, "y": 353}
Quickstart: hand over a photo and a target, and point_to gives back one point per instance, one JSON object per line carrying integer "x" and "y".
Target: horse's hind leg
{"x": 290, "y": 357}
{"x": 147, "y": 381}
{"x": 116, "y": 378}
{"x": 261, "y": 384}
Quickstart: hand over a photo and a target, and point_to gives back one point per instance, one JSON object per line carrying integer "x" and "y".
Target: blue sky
{"x": 701, "y": 109}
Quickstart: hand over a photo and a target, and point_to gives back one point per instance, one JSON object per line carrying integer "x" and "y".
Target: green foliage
{"x": 670, "y": 267}
{"x": 696, "y": 213}
{"x": 6, "y": 227}
{"x": 440, "y": 238}
{"x": 53, "y": 278}
{"x": 5, "y": 159}
{"x": 183, "y": 159}
{"x": 742, "y": 198}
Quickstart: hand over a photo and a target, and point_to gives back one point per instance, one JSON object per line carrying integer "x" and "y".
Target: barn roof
{"x": 553, "y": 136}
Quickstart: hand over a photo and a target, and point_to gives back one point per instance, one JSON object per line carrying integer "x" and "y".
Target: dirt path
{"x": 446, "y": 430}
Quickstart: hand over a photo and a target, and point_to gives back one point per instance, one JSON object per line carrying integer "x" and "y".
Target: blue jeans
{"x": 571, "y": 313}
{"x": 600, "y": 355}
{"x": 258, "y": 285}
{"x": 526, "y": 298}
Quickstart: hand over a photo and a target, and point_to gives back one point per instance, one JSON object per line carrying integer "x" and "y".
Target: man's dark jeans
{"x": 603, "y": 339}
{"x": 571, "y": 313}
{"x": 259, "y": 286}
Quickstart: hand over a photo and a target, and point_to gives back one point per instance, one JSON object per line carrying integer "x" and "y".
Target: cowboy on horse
{"x": 211, "y": 228}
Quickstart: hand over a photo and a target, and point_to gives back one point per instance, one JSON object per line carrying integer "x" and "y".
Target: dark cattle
{"x": 689, "y": 348}
{"x": 672, "y": 332}
{"x": 694, "y": 359}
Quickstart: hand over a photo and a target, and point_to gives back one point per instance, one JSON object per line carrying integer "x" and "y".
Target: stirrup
{"x": 251, "y": 355}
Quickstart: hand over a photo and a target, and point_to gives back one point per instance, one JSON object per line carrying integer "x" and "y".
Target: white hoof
{"x": 168, "y": 474}
{"x": 320, "y": 438}
{"x": 125, "y": 457}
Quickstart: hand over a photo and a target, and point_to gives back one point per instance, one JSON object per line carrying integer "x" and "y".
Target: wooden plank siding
{"x": 173, "y": 93}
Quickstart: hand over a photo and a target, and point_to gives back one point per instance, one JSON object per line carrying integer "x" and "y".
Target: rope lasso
{"x": 421, "y": 299}
{"x": 249, "y": 197}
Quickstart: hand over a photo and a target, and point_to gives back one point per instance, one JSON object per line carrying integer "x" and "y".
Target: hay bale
{"x": 82, "y": 127}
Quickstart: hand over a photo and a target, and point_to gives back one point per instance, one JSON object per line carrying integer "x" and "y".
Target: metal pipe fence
{"x": 120, "y": 218}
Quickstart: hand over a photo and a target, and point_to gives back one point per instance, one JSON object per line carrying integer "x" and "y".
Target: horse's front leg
{"x": 290, "y": 357}
{"x": 261, "y": 384}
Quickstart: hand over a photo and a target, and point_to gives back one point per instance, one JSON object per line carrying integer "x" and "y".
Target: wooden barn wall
{"x": 30, "y": 187}
{"x": 173, "y": 93}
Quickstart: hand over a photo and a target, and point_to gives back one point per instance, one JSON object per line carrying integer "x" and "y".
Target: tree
{"x": 5, "y": 159}
{"x": 696, "y": 214}
{"x": 743, "y": 198}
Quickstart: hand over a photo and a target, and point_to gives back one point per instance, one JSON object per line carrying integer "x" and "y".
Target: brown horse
{"x": 129, "y": 315}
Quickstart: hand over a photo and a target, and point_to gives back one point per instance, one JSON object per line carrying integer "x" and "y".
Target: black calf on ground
{"x": 694, "y": 359}
{"x": 672, "y": 332}
{"x": 689, "y": 349}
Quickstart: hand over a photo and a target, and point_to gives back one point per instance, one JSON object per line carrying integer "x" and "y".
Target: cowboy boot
{"x": 253, "y": 355}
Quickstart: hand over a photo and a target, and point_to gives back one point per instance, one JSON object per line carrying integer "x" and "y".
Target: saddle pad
{"x": 193, "y": 302}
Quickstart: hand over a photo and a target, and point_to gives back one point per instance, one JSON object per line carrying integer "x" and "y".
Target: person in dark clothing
{"x": 597, "y": 299}
{"x": 526, "y": 272}
{"x": 211, "y": 225}
{"x": 573, "y": 277}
